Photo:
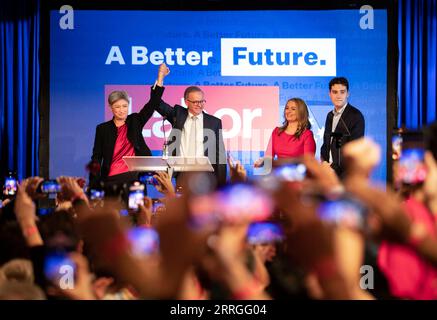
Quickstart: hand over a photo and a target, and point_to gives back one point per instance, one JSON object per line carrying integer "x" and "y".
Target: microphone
{"x": 165, "y": 145}
{"x": 336, "y": 138}
{"x": 336, "y": 135}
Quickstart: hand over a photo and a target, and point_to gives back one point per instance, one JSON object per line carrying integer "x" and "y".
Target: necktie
{"x": 192, "y": 142}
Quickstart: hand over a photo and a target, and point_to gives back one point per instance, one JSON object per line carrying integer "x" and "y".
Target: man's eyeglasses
{"x": 199, "y": 102}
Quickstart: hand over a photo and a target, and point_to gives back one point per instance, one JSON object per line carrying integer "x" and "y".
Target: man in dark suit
{"x": 121, "y": 136}
{"x": 195, "y": 133}
{"x": 343, "y": 124}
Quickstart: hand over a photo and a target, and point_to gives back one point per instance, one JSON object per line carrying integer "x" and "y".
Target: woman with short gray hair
{"x": 122, "y": 136}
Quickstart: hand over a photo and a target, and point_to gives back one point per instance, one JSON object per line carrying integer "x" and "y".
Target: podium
{"x": 169, "y": 164}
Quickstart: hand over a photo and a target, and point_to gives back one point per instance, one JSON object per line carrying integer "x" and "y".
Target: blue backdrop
{"x": 19, "y": 75}
{"x": 78, "y": 71}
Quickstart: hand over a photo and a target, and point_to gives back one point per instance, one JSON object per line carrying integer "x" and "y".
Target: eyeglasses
{"x": 199, "y": 102}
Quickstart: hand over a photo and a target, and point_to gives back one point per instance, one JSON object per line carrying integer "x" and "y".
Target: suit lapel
{"x": 181, "y": 117}
{"x": 112, "y": 137}
{"x": 329, "y": 122}
{"x": 206, "y": 125}
{"x": 206, "y": 121}
{"x": 180, "y": 120}
{"x": 343, "y": 118}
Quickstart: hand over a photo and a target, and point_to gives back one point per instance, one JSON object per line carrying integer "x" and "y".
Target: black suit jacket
{"x": 106, "y": 135}
{"x": 350, "y": 127}
{"x": 214, "y": 147}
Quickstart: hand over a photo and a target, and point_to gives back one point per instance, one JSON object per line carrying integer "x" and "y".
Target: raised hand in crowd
{"x": 227, "y": 264}
{"x": 387, "y": 218}
{"x": 237, "y": 171}
{"x": 71, "y": 190}
{"x": 391, "y": 222}
{"x": 144, "y": 215}
{"x": 331, "y": 252}
{"x": 361, "y": 156}
{"x": 32, "y": 184}
{"x": 179, "y": 247}
{"x": 25, "y": 212}
{"x": 262, "y": 253}
{"x": 104, "y": 235}
{"x": 322, "y": 175}
{"x": 165, "y": 186}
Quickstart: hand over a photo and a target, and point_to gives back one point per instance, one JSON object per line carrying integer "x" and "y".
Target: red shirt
{"x": 408, "y": 274}
{"x": 284, "y": 145}
{"x": 122, "y": 148}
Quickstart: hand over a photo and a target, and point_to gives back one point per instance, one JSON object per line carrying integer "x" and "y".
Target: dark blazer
{"x": 106, "y": 135}
{"x": 214, "y": 150}
{"x": 350, "y": 127}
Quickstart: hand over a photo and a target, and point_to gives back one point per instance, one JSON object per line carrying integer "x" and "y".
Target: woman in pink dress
{"x": 294, "y": 138}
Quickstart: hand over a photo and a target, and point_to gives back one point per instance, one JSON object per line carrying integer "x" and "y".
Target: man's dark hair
{"x": 58, "y": 223}
{"x": 339, "y": 80}
{"x": 191, "y": 89}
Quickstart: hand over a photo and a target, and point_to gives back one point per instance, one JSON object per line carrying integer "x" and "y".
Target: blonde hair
{"x": 302, "y": 117}
{"x": 19, "y": 270}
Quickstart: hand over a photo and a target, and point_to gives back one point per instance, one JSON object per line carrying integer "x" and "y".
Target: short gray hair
{"x": 117, "y": 95}
{"x": 191, "y": 89}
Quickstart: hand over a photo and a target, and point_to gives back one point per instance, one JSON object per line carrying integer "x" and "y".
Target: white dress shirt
{"x": 335, "y": 120}
{"x": 186, "y": 136}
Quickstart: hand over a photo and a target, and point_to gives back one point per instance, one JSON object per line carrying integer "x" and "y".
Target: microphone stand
{"x": 336, "y": 137}
{"x": 346, "y": 135}
{"x": 165, "y": 145}
{"x": 338, "y": 146}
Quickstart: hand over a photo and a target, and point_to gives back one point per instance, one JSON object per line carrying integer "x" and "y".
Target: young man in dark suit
{"x": 194, "y": 133}
{"x": 343, "y": 124}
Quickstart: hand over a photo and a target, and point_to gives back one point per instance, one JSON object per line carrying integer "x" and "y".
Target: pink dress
{"x": 410, "y": 276}
{"x": 284, "y": 145}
